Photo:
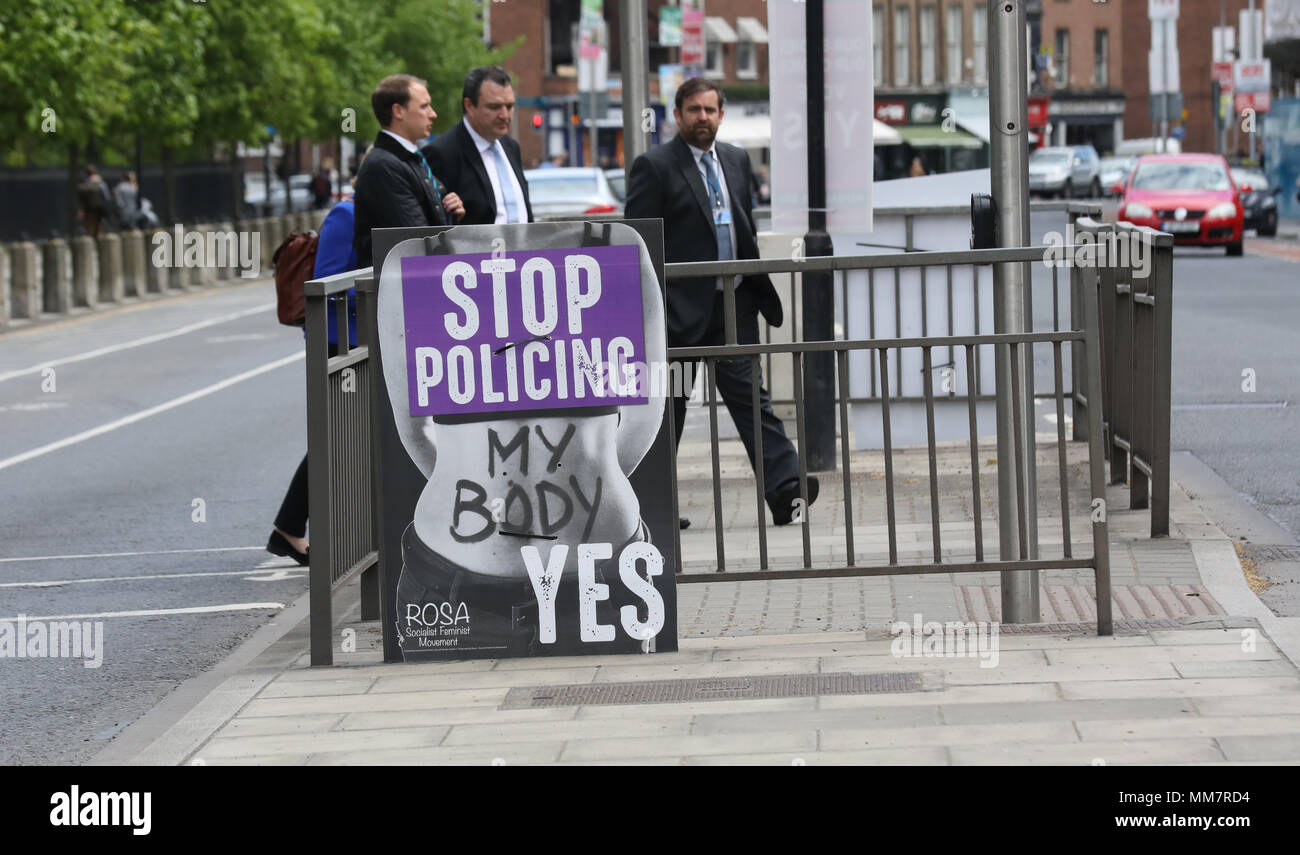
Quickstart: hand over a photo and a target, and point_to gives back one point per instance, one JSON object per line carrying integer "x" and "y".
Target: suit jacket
{"x": 456, "y": 161}
{"x": 393, "y": 190}
{"x": 665, "y": 183}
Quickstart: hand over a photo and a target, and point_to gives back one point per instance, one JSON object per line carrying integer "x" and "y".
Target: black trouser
{"x": 292, "y": 518}
{"x": 780, "y": 460}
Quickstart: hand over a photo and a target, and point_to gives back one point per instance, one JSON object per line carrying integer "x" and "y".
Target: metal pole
{"x": 818, "y": 286}
{"x": 1009, "y": 168}
{"x": 634, "y": 44}
{"x": 1257, "y": 52}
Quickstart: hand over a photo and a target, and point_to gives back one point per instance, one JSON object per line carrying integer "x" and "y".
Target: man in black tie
{"x": 700, "y": 189}
{"x": 396, "y": 186}
{"x": 478, "y": 159}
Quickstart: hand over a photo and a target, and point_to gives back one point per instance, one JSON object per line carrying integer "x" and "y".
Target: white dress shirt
{"x": 406, "y": 144}
{"x": 489, "y": 164}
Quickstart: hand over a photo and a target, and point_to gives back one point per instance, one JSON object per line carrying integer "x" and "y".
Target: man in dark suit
{"x": 477, "y": 160}
{"x": 708, "y": 216}
{"x": 396, "y": 186}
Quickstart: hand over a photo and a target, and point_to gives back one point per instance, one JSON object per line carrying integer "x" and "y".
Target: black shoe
{"x": 278, "y": 544}
{"x": 683, "y": 522}
{"x": 784, "y": 502}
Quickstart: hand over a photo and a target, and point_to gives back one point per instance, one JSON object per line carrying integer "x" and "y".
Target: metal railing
{"x": 341, "y": 497}
{"x": 1136, "y": 316}
{"x": 1085, "y": 338}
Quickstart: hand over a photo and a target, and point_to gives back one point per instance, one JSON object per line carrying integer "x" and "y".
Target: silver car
{"x": 1115, "y": 170}
{"x": 1065, "y": 171}
{"x": 568, "y": 191}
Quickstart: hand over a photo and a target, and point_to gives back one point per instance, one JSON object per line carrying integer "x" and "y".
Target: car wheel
{"x": 1269, "y": 229}
{"x": 1094, "y": 192}
{"x": 1067, "y": 192}
{"x": 1234, "y": 248}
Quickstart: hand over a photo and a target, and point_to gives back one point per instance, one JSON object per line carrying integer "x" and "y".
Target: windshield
{"x": 1050, "y": 158}
{"x": 1181, "y": 175}
{"x": 1255, "y": 180}
{"x": 566, "y": 187}
{"x": 1111, "y": 163}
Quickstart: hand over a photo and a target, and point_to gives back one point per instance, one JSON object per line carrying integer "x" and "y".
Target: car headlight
{"x": 1137, "y": 209}
{"x": 1222, "y": 211}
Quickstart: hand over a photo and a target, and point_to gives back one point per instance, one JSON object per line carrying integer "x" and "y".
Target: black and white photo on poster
{"x": 537, "y": 531}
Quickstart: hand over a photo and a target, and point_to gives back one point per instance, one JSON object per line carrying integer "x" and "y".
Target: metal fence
{"x": 880, "y": 350}
{"x": 341, "y": 495}
{"x": 342, "y": 483}
{"x": 1136, "y": 316}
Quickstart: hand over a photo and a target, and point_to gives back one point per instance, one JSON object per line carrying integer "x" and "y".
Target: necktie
{"x": 725, "y": 252}
{"x": 507, "y": 189}
{"x": 433, "y": 182}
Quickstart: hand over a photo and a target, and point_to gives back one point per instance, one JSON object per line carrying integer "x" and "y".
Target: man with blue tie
{"x": 396, "y": 186}
{"x": 477, "y": 159}
{"x": 700, "y": 189}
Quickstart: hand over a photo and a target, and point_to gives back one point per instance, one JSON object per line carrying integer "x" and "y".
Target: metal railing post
{"x": 368, "y": 334}
{"x": 1009, "y": 162}
{"x": 1163, "y": 290}
{"x": 318, "y": 483}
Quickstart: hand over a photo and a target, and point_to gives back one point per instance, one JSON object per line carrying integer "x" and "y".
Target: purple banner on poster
{"x": 530, "y": 330}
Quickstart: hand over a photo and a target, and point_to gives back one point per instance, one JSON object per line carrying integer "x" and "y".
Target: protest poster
{"x": 525, "y": 475}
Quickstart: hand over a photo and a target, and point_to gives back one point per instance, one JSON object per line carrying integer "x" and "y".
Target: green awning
{"x": 934, "y": 136}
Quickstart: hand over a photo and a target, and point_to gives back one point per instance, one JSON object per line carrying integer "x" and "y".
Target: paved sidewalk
{"x": 806, "y": 671}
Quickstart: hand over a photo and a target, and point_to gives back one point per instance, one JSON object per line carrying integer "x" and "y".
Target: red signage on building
{"x": 1037, "y": 116}
{"x": 891, "y": 112}
{"x": 692, "y": 37}
{"x": 1221, "y": 72}
{"x": 1260, "y": 102}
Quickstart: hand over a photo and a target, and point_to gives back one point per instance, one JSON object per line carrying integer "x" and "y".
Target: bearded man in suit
{"x": 700, "y": 189}
{"x": 476, "y": 158}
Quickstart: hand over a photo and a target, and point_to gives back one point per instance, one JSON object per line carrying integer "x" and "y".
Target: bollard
{"x": 205, "y": 275}
{"x": 5, "y": 289}
{"x": 110, "y": 269}
{"x": 56, "y": 277}
{"x": 25, "y": 281}
{"x": 230, "y": 271}
{"x": 85, "y": 275}
{"x": 155, "y": 264}
{"x": 133, "y": 264}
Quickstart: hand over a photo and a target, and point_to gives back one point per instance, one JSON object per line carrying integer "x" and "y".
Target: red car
{"x": 1191, "y": 196}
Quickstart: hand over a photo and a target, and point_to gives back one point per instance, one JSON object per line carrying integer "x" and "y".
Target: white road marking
{"x": 276, "y": 576}
{"x": 223, "y": 339}
{"x": 149, "y": 339}
{"x": 193, "y": 610}
{"x": 132, "y": 554}
{"x": 59, "y": 583}
{"x": 31, "y": 408}
{"x": 152, "y": 411}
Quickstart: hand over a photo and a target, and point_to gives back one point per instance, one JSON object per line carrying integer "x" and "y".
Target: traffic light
{"x": 537, "y": 121}
{"x": 575, "y": 118}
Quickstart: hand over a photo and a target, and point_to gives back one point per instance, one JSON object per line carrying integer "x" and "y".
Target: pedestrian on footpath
{"x": 126, "y": 196}
{"x": 700, "y": 189}
{"x": 477, "y": 159}
{"x": 396, "y": 187}
{"x": 334, "y": 254}
{"x": 96, "y": 203}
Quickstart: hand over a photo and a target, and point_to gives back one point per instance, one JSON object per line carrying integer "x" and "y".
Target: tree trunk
{"x": 236, "y": 184}
{"x": 169, "y": 186}
{"x": 73, "y": 181}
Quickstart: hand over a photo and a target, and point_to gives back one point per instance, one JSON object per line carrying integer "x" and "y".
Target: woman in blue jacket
{"x": 334, "y": 254}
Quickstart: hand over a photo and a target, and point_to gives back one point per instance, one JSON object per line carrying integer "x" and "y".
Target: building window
{"x": 926, "y": 25}
{"x": 979, "y": 38}
{"x": 878, "y": 43}
{"x": 1101, "y": 59}
{"x": 1062, "y": 59}
{"x": 746, "y": 59}
{"x": 902, "y": 46}
{"x": 563, "y": 26}
{"x": 952, "y": 38}
{"x": 712, "y": 59}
